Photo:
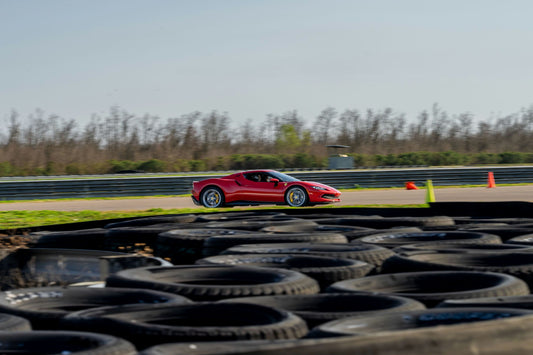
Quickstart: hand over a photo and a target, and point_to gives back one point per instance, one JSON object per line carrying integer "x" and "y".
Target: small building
{"x": 337, "y": 159}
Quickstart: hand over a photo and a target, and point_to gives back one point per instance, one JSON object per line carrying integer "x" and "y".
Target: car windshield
{"x": 282, "y": 177}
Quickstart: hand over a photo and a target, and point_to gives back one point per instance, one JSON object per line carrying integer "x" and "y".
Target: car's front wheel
{"x": 212, "y": 197}
{"x": 296, "y": 197}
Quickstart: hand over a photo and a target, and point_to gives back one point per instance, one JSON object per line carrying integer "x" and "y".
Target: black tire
{"x": 463, "y": 227}
{"x": 12, "y": 323}
{"x": 358, "y": 235}
{"x": 63, "y": 342}
{"x": 324, "y": 270}
{"x": 368, "y": 253}
{"x": 433, "y": 287}
{"x": 217, "y": 244}
{"x": 344, "y": 220}
{"x": 212, "y": 197}
{"x": 136, "y": 239}
{"x": 521, "y": 302}
{"x": 322, "y": 308}
{"x": 258, "y": 224}
{"x": 526, "y": 239}
{"x": 513, "y": 263}
{"x": 150, "y": 325}
{"x": 211, "y": 283}
{"x": 415, "y": 319}
{"x": 505, "y": 233}
{"x": 185, "y": 246}
{"x": 44, "y": 307}
{"x": 392, "y": 240}
{"x": 490, "y": 220}
{"x": 351, "y": 232}
{"x": 36, "y": 267}
{"x": 213, "y": 347}
{"x": 463, "y": 248}
{"x": 497, "y": 337}
{"x": 296, "y": 196}
{"x": 147, "y": 221}
{"x": 241, "y": 215}
{"x": 309, "y": 227}
{"x": 93, "y": 239}
{"x": 392, "y": 222}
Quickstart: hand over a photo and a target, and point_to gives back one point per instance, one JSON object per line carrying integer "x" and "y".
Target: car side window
{"x": 253, "y": 177}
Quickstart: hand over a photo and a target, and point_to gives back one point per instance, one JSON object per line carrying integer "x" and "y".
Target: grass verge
{"x": 25, "y": 219}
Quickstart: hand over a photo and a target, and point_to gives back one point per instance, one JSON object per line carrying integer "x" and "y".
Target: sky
{"x": 250, "y": 58}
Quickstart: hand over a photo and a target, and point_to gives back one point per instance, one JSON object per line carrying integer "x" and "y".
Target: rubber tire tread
{"x": 371, "y": 254}
{"x": 212, "y": 347}
{"x": 216, "y": 245}
{"x": 505, "y": 233}
{"x": 63, "y": 342}
{"x": 323, "y": 269}
{"x": 463, "y": 248}
{"x": 150, "y": 325}
{"x": 523, "y": 302}
{"x": 394, "y": 222}
{"x": 414, "y": 319}
{"x": 174, "y": 280}
{"x": 525, "y": 239}
{"x": 13, "y": 323}
{"x": 257, "y": 225}
{"x": 499, "y": 337}
{"x": 326, "y": 307}
{"x": 233, "y": 216}
{"x": 421, "y": 285}
{"x": 512, "y": 263}
{"x": 44, "y": 307}
{"x": 392, "y": 240}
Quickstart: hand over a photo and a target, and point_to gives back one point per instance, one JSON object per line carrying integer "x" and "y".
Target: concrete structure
{"x": 338, "y": 160}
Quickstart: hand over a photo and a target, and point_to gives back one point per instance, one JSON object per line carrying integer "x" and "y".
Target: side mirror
{"x": 274, "y": 180}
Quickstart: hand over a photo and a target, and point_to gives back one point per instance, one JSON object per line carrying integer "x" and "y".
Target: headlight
{"x": 319, "y": 188}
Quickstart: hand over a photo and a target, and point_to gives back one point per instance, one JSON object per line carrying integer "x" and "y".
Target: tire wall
{"x": 170, "y": 254}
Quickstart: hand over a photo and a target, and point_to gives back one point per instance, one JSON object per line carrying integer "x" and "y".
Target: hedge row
{"x": 270, "y": 161}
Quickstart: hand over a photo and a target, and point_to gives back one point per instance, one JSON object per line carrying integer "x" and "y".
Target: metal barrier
{"x": 179, "y": 185}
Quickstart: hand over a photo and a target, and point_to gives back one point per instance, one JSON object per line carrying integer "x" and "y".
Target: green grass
{"x": 25, "y": 219}
{"x": 93, "y": 198}
{"x": 11, "y": 220}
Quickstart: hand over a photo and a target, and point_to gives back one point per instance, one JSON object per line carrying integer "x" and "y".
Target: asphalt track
{"x": 348, "y": 198}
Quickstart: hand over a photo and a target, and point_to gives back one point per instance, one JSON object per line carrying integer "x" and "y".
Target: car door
{"x": 257, "y": 188}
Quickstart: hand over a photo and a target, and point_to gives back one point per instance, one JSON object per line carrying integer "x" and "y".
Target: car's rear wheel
{"x": 296, "y": 197}
{"x": 212, "y": 197}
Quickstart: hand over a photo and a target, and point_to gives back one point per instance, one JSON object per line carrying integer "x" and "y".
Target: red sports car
{"x": 261, "y": 187}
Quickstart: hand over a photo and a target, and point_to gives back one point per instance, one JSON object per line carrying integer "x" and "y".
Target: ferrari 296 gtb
{"x": 257, "y": 187}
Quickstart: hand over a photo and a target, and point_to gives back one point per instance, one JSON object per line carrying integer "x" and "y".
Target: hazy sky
{"x": 249, "y": 58}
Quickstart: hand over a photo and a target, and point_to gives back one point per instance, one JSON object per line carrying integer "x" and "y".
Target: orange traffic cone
{"x": 491, "y": 182}
{"x": 410, "y": 185}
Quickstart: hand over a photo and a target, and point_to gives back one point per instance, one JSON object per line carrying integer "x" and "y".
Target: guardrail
{"x": 179, "y": 185}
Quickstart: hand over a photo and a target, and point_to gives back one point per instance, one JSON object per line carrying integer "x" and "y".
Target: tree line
{"x": 46, "y": 144}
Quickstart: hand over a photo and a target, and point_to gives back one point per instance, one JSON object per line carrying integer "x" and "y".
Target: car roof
{"x": 253, "y": 171}
{"x": 257, "y": 171}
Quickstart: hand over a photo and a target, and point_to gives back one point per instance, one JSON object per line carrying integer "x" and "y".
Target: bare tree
{"x": 324, "y": 125}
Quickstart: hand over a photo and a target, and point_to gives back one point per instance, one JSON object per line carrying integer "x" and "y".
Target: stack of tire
{"x": 261, "y": 282}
